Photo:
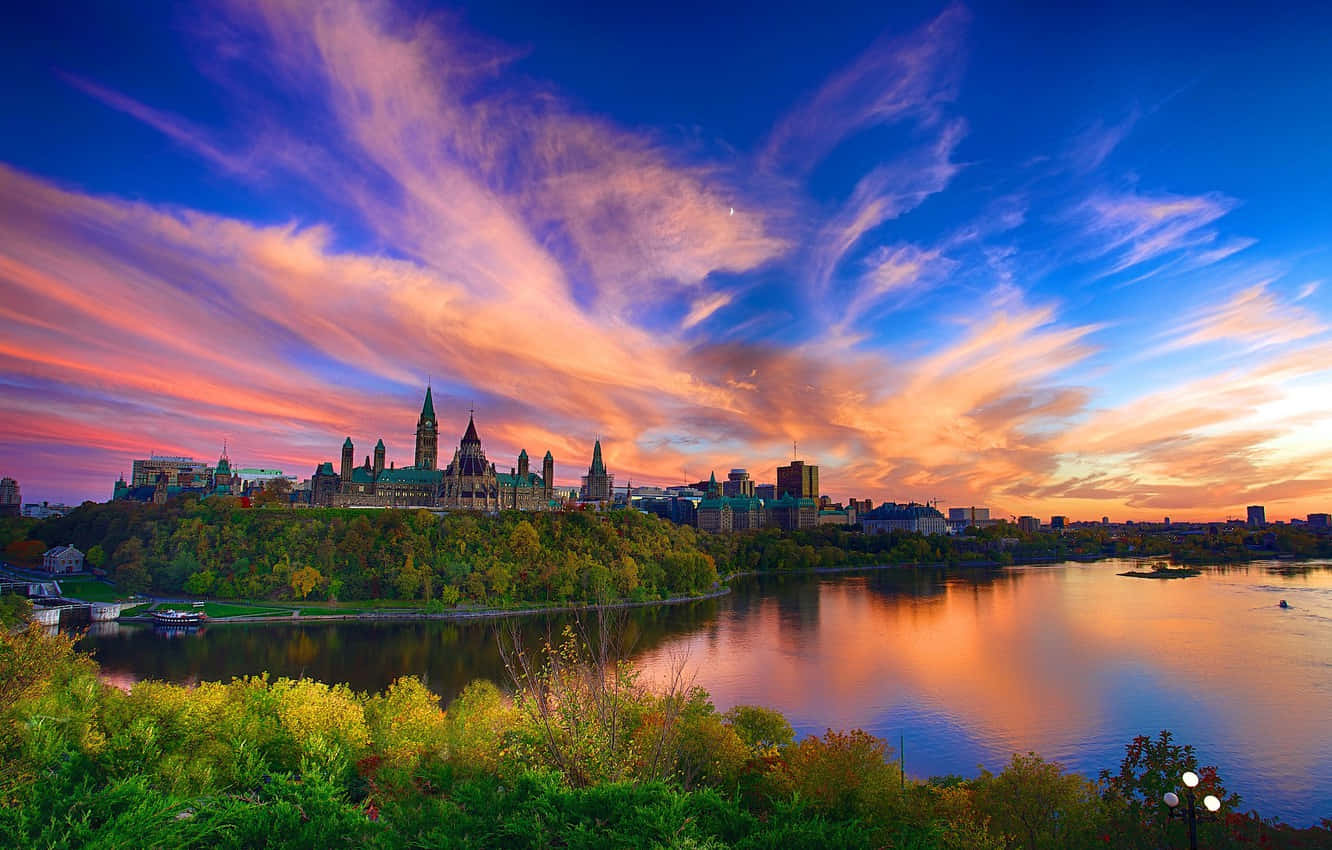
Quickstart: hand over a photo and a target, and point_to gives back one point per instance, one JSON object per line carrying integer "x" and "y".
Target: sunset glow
{"x": 1052, "y": 264}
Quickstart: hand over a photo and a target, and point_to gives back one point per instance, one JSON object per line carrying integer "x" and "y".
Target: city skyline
{"x": 958, "y": 252}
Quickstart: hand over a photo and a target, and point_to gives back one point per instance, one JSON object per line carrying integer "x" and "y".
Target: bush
{"x": 843, "y": 774}
{"x": 763, "y": 730}
{"x": 1035, "y": 805}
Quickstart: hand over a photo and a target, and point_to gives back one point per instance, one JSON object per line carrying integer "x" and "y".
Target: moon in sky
{"x": 732, "y": 211}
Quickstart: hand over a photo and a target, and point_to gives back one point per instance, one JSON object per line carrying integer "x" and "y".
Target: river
{"x": 1069, "y": 660}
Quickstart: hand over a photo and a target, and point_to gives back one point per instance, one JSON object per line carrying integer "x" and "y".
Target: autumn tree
{"x": 304, "y": 581}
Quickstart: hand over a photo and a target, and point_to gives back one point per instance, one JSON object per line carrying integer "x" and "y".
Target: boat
{"x": 1283, "y": 604}
{"x": 178, "y": 618}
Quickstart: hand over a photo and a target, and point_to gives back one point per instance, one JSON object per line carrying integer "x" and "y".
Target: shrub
{"x": 1035, "y": 805}
{"x": 406, "y": 723}
{"x": 844, "y": 774}
{"x": 763, "y": 730}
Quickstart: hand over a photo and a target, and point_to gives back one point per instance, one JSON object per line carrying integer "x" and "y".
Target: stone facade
{"x": 598, "y": 484}
{"x": 469, "y": 482}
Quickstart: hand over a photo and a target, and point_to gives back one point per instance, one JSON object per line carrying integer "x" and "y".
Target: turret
{"x": 548, "y": 476}
{"x": 427, "y": 435}
{"x": 522, "y": 466}
{"x": 348, "y": 461}
{"x": 379, "y": 458}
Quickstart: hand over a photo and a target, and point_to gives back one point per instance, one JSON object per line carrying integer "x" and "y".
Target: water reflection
{"x": 1069, "y": 660}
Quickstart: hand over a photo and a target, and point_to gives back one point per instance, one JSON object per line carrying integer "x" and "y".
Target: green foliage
{"x": 296, "y": 763}
{"x": 216, "y": 548}
{"x": 15, "y": 610}
{"x": 1151, "y": 768}
{"x": 1035, "y": 805}
{"x": 763, "y": 730}
{"x": 844, "y": 774}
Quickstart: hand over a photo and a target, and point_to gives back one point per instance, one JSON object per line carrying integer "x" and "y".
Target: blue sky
{"x": 1055, "y": 260}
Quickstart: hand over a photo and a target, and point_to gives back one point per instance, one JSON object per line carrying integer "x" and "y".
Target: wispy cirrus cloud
{"x": 1253, "y": 318}
{"x": 1132, "y": 228}
{"x": 899, "y": 77}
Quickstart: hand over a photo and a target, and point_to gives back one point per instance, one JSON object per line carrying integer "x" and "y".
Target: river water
{"x": 1068, "y": 660}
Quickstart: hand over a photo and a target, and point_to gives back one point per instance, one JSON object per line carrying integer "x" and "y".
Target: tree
{"x": 1037, "y": 805}
{"x": 1151, "y": 768}
{"x": 524, "y": 543}
{"x": 409, "y": 578}
{"x": 304, "y": 581}
{"x": 96, "y": 555}
{"x": 763, "y": 730}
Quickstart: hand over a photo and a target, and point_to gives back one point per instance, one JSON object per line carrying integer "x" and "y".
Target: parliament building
{"x": 469, "y": 482}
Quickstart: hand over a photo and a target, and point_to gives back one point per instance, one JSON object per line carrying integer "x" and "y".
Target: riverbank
{"x": 409, "y": 614}
{"x": 406, "y": 614}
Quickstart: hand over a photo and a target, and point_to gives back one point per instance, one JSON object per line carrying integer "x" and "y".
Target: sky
{"x": 1047, "y": 260}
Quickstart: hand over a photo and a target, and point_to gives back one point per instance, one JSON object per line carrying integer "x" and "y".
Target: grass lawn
{"x": 223, "y": 610}
{"x": 136, "y": 610}
{"x": 89, "y": 590}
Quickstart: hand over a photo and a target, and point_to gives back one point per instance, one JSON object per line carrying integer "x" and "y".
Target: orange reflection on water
{"x": 1059, "y": 660}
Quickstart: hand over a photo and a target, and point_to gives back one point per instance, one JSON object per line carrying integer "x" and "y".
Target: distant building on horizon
{"x": 766, "y": 492}
{"x": 183, "y": 472}
{"x": 1257, "y": 516}
{"x": 738, "y": 483}
{"x": 909, "y": 517}
{"x": 1029, "y": 524}
{"x": 798, "y": 479}
{"x": 960, "y": 519}
{"x": 1058, "y": 522}
{"x": 1323, "y": 521}
{"x": 44, "y": 510}
{"x": 11, "y": 500}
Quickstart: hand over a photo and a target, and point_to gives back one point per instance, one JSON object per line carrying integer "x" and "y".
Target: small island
{"x": 1163, "y": 570}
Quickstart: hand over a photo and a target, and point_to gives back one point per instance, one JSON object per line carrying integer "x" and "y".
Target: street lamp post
{"x": 1190, "y": 812}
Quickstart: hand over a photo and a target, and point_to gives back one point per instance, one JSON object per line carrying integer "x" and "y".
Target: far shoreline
{"x": 723, "y": 588}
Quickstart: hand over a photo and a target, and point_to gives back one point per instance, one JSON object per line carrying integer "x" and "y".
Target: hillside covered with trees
{"x": 216, "y": 548}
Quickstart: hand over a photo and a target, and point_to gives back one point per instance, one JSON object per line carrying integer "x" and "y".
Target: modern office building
{"x": 1029, "y": 524}
{"x": 799, "y": 479}
{"x": 1257, "y": 516}
{"x": 738, "y": 483}
{"x": 11, "y": 500}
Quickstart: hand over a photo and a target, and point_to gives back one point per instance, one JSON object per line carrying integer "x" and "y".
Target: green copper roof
{"x": 411, "y": 475}
{"x": 548, "y": 457}
{"x": 522, "y": 453}
{"x": 380, "y": 444}
{"x": 347, "y": 444}
{"x": 325, "y": 468}
{"x": 428, "y": 409}
{"x": 789, "y": 501}
{"x": 598, "y": 467}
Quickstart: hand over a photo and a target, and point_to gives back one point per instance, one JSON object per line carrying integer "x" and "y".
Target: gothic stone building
{"x": 469, "y": 482}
